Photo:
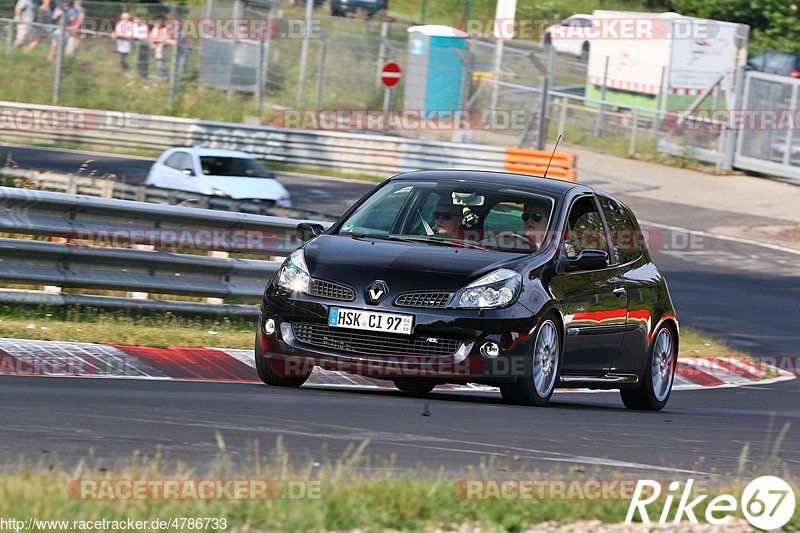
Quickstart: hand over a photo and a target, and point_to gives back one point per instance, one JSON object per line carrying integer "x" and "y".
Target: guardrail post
{"x": 219, "y": 255}
{"x": 135, "y": 295}
{"x": 53, "y": 289}
{"x": 141, "y": 193}
{"x": 634, "y": 128}
{"x": 108, "y": 188}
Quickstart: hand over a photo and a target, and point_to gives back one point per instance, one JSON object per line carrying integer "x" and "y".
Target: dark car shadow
{"x": 486, "y": 398}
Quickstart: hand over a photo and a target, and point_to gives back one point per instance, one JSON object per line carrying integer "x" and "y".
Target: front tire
{"x": 537, "y": 386}
{"x": 272, "y": 371}
{"x": 653, "y": 393}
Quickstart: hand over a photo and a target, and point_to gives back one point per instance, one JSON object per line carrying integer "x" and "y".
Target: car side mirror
{"x": 188, "y": 171}
{"x": 307, "y": 231}
{"x": 588, "y": 260}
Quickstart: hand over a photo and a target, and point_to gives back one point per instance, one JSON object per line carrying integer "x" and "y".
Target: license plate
{"x": 370, "y": 320}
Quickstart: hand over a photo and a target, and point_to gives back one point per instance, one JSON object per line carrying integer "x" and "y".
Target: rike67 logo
{"x": 767, "y": 502}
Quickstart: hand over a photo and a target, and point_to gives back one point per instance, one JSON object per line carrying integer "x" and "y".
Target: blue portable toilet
{"x": 434, "y": 74}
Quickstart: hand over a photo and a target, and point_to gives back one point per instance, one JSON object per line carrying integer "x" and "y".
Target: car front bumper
{"x": 458, "y": 333}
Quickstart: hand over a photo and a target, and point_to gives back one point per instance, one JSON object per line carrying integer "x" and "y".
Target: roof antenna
{"x": 551, "y": 156}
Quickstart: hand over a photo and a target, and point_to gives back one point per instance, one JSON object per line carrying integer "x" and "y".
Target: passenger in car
{"x": 536, "y": 217}
{"x": 448, "y": 220}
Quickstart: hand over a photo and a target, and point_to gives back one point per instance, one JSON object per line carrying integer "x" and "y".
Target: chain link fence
{"x": 227, "y": 64}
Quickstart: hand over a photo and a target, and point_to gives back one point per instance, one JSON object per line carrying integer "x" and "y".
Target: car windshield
{"x": 233, "y": 166}
{"x": 474, "y": 215}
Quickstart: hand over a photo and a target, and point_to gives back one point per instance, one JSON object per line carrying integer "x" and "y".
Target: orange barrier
{"x": 535, "y": 162}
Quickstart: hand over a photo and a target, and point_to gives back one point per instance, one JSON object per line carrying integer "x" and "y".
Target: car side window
{"x": 173, "y": 160}
{"x": 584, "y": 228}
{"x": 624, "y": 240}
{"x": 186, "y": 162}
{"x": 179, "y": 161}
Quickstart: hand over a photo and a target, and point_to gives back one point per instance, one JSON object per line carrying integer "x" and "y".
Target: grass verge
{"x": 340, "y": 495}
{"x": 95, "y": 325}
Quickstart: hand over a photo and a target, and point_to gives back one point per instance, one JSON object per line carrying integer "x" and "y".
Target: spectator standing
{"x": 44, "y": 16}
{"x": 24, "y": 15}
{"x": 75, "y": 17}
{"x": 159, "y": 39}
{"x": 123, "y": 35}
{"x": 140, "y": 34}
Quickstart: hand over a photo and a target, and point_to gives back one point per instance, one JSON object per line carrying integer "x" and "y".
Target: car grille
{"x": 423, "y": 299}
{"x": 334, "y": 291}
{"x": 373, "y": 342}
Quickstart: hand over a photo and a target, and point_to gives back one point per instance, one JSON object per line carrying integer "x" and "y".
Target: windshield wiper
{"x": 358, "y": 235}
{"x": 428, "y": 239}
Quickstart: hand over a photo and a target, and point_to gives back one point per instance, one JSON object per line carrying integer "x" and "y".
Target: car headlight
{"x": 293, "y": 274}
{"x": 218, "y": 192}
{"x": 496, "y": 289}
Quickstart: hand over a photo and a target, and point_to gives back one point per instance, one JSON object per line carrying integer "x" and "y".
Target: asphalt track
{"x": 742, "y": 293}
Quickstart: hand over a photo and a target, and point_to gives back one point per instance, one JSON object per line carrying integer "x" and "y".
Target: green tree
{"x": 774, "y": 24}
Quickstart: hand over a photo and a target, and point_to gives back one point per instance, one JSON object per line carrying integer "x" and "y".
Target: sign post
{"x": 390, "y": 76}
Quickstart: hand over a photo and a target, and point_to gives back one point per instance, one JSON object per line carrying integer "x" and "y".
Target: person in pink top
{"x": 159, "y": 39}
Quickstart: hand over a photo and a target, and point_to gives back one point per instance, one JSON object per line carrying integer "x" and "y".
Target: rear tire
{"x": 415, "y": 386}
{"x": 537, "y": 386}
{"x": 659, "y": 373}
{"x": 272, "y": 371}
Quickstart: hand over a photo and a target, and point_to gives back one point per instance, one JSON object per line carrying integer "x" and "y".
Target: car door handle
{"x": 619, "y": 291}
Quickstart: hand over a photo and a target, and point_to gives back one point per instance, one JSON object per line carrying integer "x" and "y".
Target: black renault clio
{"x": 457, "y": 276}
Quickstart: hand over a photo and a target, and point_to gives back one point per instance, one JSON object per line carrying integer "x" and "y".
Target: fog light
{"x": 269, "y": 326}
{"x": 490, "y": 350}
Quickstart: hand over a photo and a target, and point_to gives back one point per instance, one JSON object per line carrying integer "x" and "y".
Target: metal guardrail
{"x": 346, "y": 151}
{"x": 108, "y": 187}
{"x": 120, "y": 245}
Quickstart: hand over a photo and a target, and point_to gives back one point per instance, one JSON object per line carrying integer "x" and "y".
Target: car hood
{"x": 246, "y": 188}
{"x": 403, "y": 266}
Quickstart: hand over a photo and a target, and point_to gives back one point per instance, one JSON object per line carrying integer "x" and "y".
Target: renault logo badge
{"x": 376, "y": 292}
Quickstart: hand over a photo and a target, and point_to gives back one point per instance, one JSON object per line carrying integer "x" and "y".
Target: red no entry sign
{"x": 390, "y": 74}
